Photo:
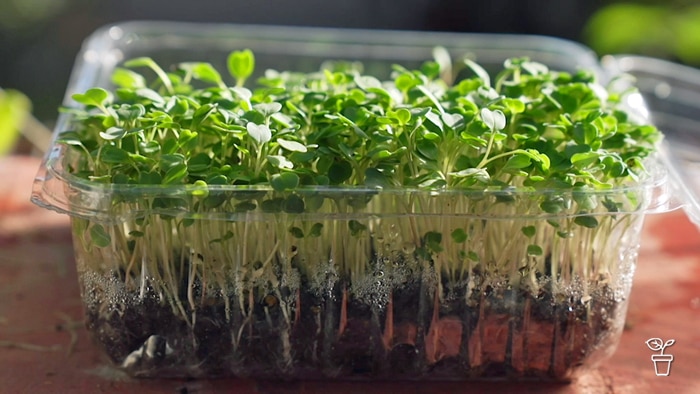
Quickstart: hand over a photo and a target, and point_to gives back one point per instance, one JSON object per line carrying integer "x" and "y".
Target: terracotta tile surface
{"x": 45, "y": 349}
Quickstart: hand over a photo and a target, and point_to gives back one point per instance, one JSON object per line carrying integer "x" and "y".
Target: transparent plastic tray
{"x": 343, "y": 304}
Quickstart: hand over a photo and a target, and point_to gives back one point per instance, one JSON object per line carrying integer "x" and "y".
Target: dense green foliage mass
{"x": 442, "y": 126}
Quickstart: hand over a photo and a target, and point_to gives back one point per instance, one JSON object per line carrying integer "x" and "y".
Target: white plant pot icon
{"x": 662, "y": 364}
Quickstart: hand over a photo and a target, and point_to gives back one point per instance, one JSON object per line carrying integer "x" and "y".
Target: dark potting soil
{"x": 494, "y": 333}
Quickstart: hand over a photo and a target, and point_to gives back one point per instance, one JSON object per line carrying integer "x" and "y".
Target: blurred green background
{"x": 39, "y": 39}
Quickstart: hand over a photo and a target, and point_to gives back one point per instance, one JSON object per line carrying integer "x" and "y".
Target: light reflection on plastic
{"x": 113, "y": 57}
{"x": 636, "y": 102}
{"x": 662, "y": 90}
{"x": 91, "y": 56}
{"x": 116, "y": 32}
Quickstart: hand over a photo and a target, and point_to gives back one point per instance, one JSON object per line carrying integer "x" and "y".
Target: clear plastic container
{"x": 344, "y": 283}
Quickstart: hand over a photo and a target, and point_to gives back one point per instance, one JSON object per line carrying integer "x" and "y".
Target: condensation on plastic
{"x": 300, "y": 49}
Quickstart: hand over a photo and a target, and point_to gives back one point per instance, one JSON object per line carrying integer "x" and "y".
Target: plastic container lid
{"x": 671, "y": 94}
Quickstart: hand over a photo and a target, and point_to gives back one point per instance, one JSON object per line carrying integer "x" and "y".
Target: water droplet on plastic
{"x": 393, "y": 232}
{"x": 408, "y": 247}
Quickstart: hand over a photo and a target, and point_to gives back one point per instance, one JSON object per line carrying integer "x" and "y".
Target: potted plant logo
{"x": 662, "y": 362}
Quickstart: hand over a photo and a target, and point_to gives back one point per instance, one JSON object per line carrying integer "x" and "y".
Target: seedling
{"x": 266, "y": 222}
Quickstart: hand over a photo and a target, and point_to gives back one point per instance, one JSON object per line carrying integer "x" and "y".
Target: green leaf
{"x": 128, "y": 79}
{"x": 431, "y": 136}
{"x": 406, "y": 81}
{"x": 315, "y": 230}
{"x": 243, "y": 94}
{"x": 584, "y": 133}
{"x": 291, "y": 145}
{"x": 529, "y": 231}
{"x": 280, "y": 162}
{"x": 534, "y": 250}
{"x": 139, "y": 62}
{"x": 131, "y": 112}
{"x": 366, "y": 82}
{"x": 202, "y": 113}
{"x": 97, "y": 97}
{"x": 99, "y": 236}
{"x": 67, "y": 138}
{"x": 352, "y": 125}
{"x": 375, "y": 178}
{"x": 494, "y": 120}
{"x": 205, "y": 72}
{"x": 611, "y": 206}
{"x": 112, "y": 155}
{"x": 245, "y": 206}
{"x": 200, "y": 189}
{"x": 293, "y": 204}
{"x": 284, "y": 181}
{"x": 241, "y": 64}
{"x": 113, "y": 133}
{"x": 586, "y": 221}
{"x": 434, "y": 122}
{"x": 453, "y": 121}
{"x": 339, "y": 172}
{"x": 479, "y": 173}
{"x": 433, "y": 240}
{"x": 459, "y": 235}
{"x": 176, "y": 106}
{"x": 296, "y": 232}
{"x": 430, "y": 69}
{"x": 403, "y": 116}
{"x": 356, "y": 227}
{"x": 150, "y": 95}
{"x": 150, "y": 178}
{"x": 229, "y": 234}
{"x": 555, "y": 205}
{"x": 167, "y": 161}
{"x": 175, "y": 174}
{"x": 515, "y": 106}
{"x": 273, "y": 205}
{"x": 136, "y": 233}
{"x": 268, "y": 109}
{"x": 584, "y": 159}
{"x": 586, "y": 199}
{"x": 259, "y": 133}
{"x": 517, "y": 161}
{"x": 428, "y": 149}
{"x": 313, "y": 202}
{"x": 187, "y": 139}
{"x": 478, "y": 70}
